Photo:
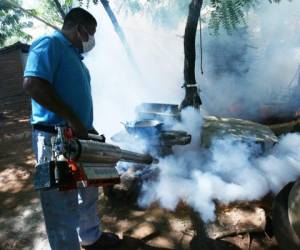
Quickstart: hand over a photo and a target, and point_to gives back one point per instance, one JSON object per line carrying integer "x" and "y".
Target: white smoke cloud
{"x": 117, "y": 88}
{"x": 230, "y": 170}
{"x": 270, "y": 50}
{"x": 271, "y": 56}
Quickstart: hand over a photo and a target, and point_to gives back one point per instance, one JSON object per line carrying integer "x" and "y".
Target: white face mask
{"x": 89, "y": 44}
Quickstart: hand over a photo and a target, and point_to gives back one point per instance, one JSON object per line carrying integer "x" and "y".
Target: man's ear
{"x": 77, "y": 29}
{"x": 82, "y": 32}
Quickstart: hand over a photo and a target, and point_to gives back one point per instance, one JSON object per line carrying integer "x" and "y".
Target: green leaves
{"x": 48, "y": 11}
{"x": 228, "y": 14}
{"x": 13, "y": 20}
{"x": 12, "y": 24}
{"x": 225, "y": 14}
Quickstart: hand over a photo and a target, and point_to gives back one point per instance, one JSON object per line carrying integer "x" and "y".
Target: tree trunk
{"x": 121, "y": 34}
{"x": 60, "y": 9}
{"x": 192, "y": 97}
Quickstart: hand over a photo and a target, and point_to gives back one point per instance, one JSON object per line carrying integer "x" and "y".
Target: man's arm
{"x": 44, "y": 94}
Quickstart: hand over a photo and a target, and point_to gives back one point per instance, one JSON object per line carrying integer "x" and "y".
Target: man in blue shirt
{"x": 59, "y": 84}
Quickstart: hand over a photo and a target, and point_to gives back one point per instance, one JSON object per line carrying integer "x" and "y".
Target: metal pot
{"x": 144, "y": 127}
{"x": 158, "y": 111}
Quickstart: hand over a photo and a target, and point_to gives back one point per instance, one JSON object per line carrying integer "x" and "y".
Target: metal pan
{"x": 144, "y": 127}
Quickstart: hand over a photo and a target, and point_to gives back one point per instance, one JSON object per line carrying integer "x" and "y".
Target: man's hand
{"x": 78, "y": 128}
{"x": 297, "y": 113}
{"x": 93, "y": 131}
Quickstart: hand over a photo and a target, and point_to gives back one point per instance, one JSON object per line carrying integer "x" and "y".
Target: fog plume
{"x": 230, "y": 170}
{"x": 265, "y": 57}
{"x": 252, "y": 67}
{"x": 256, "y": 66}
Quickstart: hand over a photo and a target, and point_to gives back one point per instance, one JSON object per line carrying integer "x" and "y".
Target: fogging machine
{"x": 81, "y": 163}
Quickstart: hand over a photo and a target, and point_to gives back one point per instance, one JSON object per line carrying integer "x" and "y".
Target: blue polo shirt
{"x": 54, "y": 59}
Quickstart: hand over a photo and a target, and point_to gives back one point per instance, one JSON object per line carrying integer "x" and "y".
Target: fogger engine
{"x": 82, "y": 163}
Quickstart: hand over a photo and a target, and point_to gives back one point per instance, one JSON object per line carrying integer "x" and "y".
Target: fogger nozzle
{"x": 98, "y": 152}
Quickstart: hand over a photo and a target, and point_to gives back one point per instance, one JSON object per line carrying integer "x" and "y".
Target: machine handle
{"x": 100, "y": 138}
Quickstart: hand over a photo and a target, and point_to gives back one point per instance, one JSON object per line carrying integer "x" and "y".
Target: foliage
{"x": 224, "y": 14}
{"x": 162, "y": 12}
{"x": 11, "y": 18}
{"x": 49, "y": 12}
{"x": 12, "y": 24}
{"x": 229, "y": 14}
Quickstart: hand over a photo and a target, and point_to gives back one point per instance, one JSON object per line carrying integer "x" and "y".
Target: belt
{"x": 50, "y": 129}
{"x": 44, "y": 128}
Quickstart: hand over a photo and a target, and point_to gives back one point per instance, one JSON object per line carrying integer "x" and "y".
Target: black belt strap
{"x": 44, "y": 128}
{"x": 51, "y": 129}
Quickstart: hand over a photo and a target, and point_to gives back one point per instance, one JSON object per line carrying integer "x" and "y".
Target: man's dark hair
{"x": 78, "y": 16}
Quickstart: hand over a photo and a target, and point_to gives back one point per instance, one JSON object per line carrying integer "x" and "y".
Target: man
{"x": 59, "y": 84}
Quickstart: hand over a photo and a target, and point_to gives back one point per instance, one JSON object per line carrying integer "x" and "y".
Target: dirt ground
{"x": 21, "y": 222}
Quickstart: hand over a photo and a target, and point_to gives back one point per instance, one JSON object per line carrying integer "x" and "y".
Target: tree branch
{"x": 120, "y": 33}
{"x": 28, "y": 12}
{"x": 60, "y": 9}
